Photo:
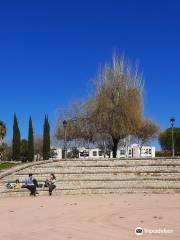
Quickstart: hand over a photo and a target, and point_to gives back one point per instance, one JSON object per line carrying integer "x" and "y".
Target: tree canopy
{"x": 165, "y": 140}
{"x": 16, "y": 142}
{"x": 2, "y": 135}
{"x": 113, "y": 111}
{"x": 2, "y": 131}
{"x": 30, "y": 141}
{"x": 147, "y": 131}
{"x": 46, "y": 139}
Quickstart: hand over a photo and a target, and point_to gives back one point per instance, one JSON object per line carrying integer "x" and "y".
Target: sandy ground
{"x": 90, "y": 217}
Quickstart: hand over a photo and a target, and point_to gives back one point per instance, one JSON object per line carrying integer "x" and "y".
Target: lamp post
{"x": 65, "y": 138}
{"x": 172, "y": 121}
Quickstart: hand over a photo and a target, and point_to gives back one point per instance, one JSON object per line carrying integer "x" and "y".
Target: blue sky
{"x": 50, "y": 50}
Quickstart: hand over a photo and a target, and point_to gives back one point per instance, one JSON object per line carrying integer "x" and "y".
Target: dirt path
{"x": 90, "y": 217}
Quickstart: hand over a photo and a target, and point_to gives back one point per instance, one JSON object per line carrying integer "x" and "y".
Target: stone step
{"x": 94, "y": 174}
{"x": 110, "y": 160}
{"x": 100, "y": 176}
{"x": 93, "y": 177}
{"x": 116, "y": 184}
{"x": 59, "y": 192}
{"x": 45, "y": 168}
{"x": 127, "y": 169}
{"x": 118, "y": 162}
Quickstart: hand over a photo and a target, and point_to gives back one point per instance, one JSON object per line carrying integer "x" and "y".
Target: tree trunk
{"x": 140, "y": 151}
{"x": 115, "y": 147}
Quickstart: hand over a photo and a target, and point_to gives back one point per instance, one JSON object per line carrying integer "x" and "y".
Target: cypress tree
{"x": 46, "y": 139}
{"x": 16, "y": 142}
{"x": 30, "y": 141}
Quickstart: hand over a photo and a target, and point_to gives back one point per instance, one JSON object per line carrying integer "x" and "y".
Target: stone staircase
{"x": 99, "y": 176}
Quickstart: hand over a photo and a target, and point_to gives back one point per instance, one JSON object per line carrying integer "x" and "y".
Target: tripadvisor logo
{"x": 139, "y": 231}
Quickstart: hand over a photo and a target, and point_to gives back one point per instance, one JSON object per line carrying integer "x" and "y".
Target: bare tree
{"x": 79, "y": 130}
{"x": 117, "y": 104}
{"x": 147, "y": 132}
{"x": 38, "y": 146}
{"x": 114, "y": 110}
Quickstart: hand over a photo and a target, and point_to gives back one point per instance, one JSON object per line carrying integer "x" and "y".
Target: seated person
{"x": 31, "y": 184}
{"x": 50, "y": 183}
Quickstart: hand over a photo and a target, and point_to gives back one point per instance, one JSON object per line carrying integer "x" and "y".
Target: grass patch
{"x": 7, "y": 165}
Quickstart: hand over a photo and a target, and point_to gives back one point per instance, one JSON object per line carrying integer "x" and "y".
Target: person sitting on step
{"x": 50, "y": 183}
{"x": 31, "y": 184}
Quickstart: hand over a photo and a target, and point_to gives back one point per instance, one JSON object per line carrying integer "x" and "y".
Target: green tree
{"x": 46, "y": 139}
{"x": 24, "y": 150}
{"x": 7, "y": 154}
{"x": 30, "y": 141}
{"x": 2, "y": 135}
{"x": 16, "y": 142}
{"x": 165, "y": 140}
{"x": 2, "y": 131}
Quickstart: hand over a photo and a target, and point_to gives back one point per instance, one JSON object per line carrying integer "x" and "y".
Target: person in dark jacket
{"x": 50, "y": 183}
